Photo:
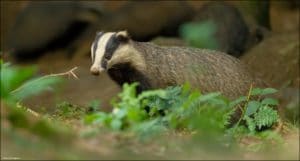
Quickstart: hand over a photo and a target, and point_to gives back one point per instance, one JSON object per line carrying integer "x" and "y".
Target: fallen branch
{"x": 28, "y": 110}
{"x": 69, "y": 73}
{"x": 245, "y": 105}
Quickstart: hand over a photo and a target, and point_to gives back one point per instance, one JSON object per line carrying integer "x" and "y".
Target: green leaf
{"x": 268, "y": 91}
{"x": 129, "y": 90}
{"x": 209, "y": 96}
{"x": 149, "y": 128}
{"x": 221, "y": 102}
{"x": 135, "y": 114}
{"x": 270, "y": 101}
{"x": 256, "y": 91}
{"x": 13, "y": 77}
{"x": 209, "y": 121}
{"x": 186, "y": 87}
{"x": 116, "y": 124}
{"x": 159, "y": 93}
{"x": 95, "y": 118}
{"x": 35, "y": 86}
{"x": 119, "y": 113}
{"x": 252, "y": 107}
{"x": 200, "y": 34}
{"x": 94, "y": 104}
{"x": 192, "y": 101}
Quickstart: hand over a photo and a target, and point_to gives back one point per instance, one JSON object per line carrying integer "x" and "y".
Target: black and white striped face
{"x": 105, "y": 47}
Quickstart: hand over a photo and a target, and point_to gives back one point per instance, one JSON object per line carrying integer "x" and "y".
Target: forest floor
{"x": 65, "y": 136}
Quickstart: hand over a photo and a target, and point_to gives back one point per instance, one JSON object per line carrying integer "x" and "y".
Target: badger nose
{"x": 94, "y": 71}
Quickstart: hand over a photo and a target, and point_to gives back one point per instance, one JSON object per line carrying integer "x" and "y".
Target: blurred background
{"x": 56, "y": 36}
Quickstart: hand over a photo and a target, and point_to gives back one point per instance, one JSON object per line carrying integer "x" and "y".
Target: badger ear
{"x": 123, "y": 36}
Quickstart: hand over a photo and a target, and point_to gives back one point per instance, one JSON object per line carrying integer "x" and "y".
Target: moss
{"x": 67, "y": 110}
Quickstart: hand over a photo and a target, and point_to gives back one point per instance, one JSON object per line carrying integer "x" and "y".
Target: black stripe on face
{"x": 97, "y": 38}
{"x": 112, "y": 44}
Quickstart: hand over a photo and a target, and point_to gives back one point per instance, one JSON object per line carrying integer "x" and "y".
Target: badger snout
{"x": 95, "y": 70}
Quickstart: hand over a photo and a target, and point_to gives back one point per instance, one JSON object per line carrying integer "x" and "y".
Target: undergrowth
{"x": 19, "y": 83}
{"x": 182, "y": 109}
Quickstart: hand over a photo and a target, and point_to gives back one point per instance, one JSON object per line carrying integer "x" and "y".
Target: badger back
{"x": 207, "y": 70}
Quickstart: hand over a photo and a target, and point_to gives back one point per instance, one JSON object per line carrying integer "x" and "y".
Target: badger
{"x": 153, "y": 66}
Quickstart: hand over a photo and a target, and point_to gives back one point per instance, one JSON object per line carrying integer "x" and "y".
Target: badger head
{"x": 110, "y": 49}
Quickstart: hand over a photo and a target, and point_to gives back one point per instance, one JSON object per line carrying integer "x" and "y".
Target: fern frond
{"x": 266, "y": 116}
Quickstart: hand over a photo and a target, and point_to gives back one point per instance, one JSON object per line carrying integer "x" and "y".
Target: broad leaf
{"x": 270, "y": 101}
{"x": 268, "y": 91}
{"x": 34, "y": 86}
{"x": 252, "y": 107}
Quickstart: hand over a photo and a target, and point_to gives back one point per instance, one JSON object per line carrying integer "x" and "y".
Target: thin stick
{"x": 69, "y": 73}
{"x": 30, "y": 111}
{"x": 249, "y": 93}
{"x": 241, "y": 108}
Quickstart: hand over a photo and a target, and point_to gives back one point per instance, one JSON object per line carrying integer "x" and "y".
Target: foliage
{"x": 259, "y": 114}
{"x": 265, "y": 117}
{"x": 17, "y": 83}
{"x": 94, "y": 105}
{"x": 129, "y": 111}
{"x": 199, "y": 35}
{"x": 66, "y": 110}
{"x": 181, "y": 108}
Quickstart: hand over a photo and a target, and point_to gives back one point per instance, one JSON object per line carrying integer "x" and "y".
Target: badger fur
{"x": 156, "y": 66}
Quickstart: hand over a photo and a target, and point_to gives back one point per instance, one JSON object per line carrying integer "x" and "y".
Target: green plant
{"x": 17, "y": 83}
{"x": 180, "y": 108}
{"x": 66, "y": 110}
{"x": 169, "y": 107}
{"x": 199, "y": 35}
{"x": 94, "y": 105}
{"x": 258, "y": 114}
{"x": 129, "y": 111}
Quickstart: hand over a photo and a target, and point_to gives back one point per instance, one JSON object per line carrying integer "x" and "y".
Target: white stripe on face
{"x": 100, "y": 51}
{"x": 92, "y": 54}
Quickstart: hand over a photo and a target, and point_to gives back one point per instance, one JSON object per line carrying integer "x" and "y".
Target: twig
{"x": 30, "y": 111}
{"x": 249, "y": 93}
{"x": 241, "y": 108}
{"x": 69, "y": 73}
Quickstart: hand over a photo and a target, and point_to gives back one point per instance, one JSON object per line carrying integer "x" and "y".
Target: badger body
{"x": 156, "y": 66}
